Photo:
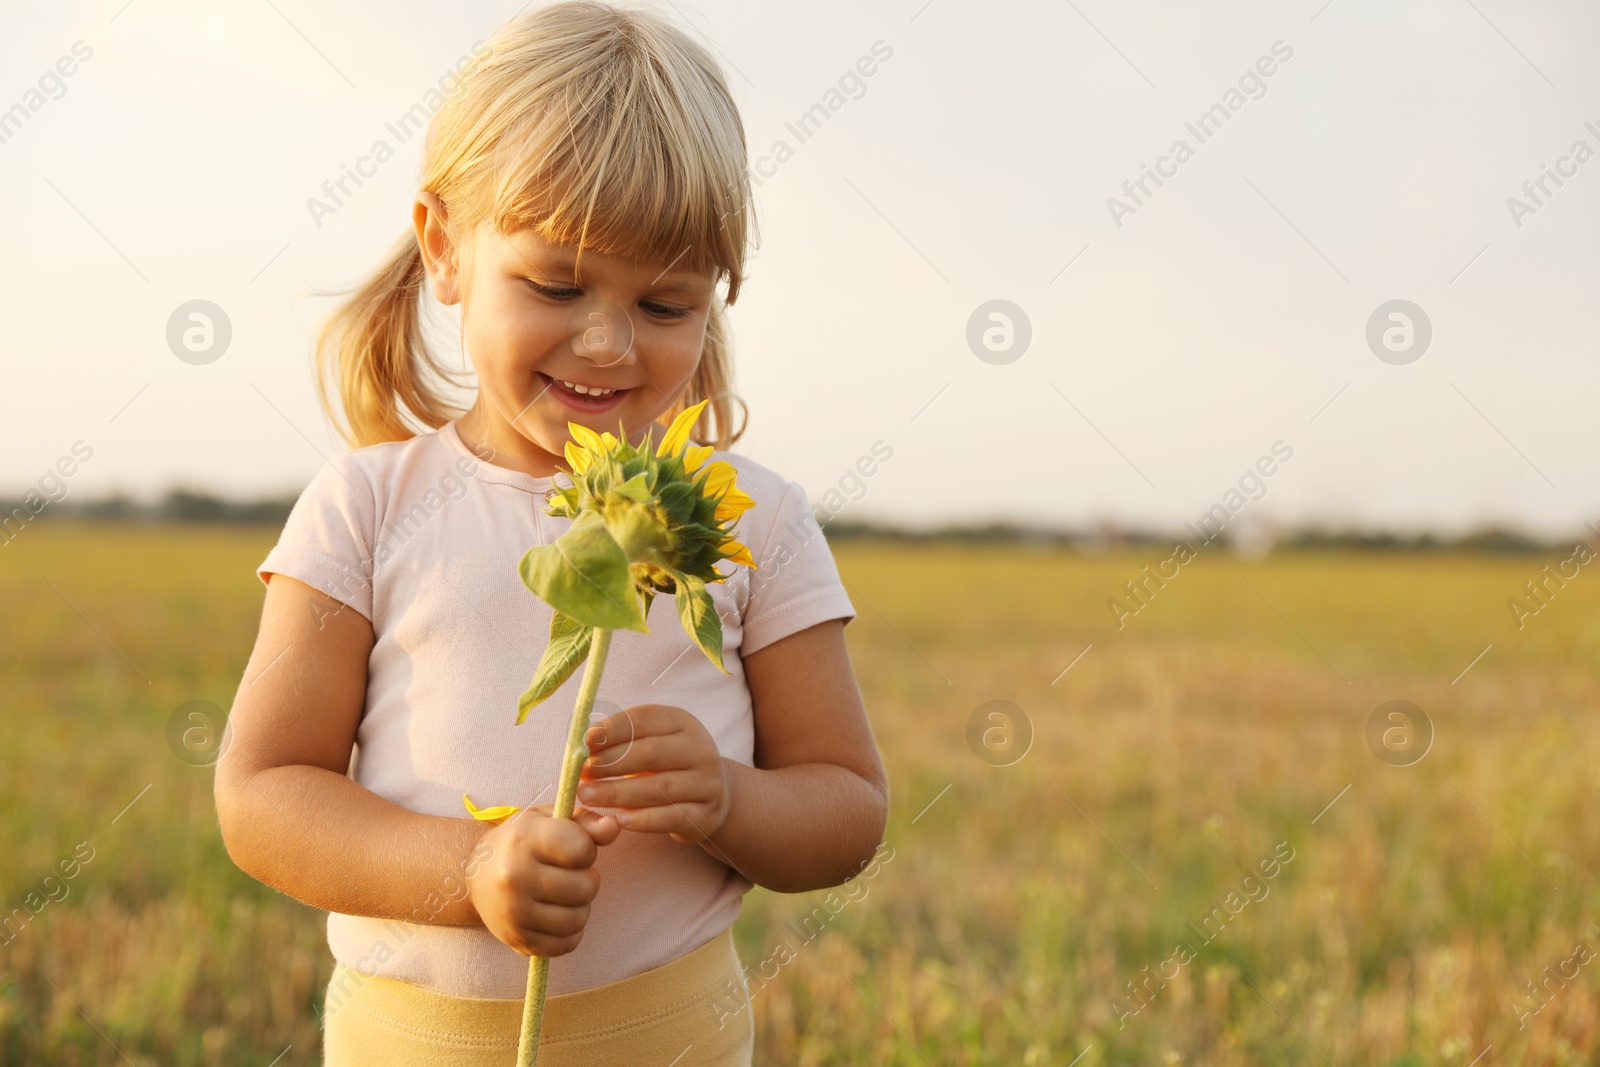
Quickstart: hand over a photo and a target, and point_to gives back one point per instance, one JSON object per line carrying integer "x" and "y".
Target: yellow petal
{"x": 497, "y": 814}
{"x": 738, "y": 553}
{"x": 677, "y": 434}
{"x": 734, "y": 504}
{"x": 578, "y": 458}
{"x": 694, "y": 456}
{"x": 608, "y": 442}
{"x": 585, "y": 437}
{"x": 720, "y": 475}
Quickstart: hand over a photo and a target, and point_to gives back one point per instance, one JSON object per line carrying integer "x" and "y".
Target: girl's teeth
{"x": 586, "y": 390}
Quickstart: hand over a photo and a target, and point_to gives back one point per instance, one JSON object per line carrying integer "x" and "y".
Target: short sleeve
{"x": 796, "y": 583}
{"x": 327, "y": 540}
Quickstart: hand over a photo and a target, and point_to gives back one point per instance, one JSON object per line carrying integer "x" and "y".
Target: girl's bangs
{"x": 626, "y": 181}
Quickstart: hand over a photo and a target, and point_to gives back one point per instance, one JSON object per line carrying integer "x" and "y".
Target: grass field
{"x": 1105, "y": 896}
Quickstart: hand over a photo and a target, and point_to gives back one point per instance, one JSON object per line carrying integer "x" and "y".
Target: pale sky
{"x": 1229, "y": 311}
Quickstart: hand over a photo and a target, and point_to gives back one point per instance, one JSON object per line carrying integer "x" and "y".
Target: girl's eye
{"x": 553, "y": 293}
{"x": 664, "y": 311}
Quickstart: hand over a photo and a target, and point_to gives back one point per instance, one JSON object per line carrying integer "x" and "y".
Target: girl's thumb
{"x": 603, "y": 828}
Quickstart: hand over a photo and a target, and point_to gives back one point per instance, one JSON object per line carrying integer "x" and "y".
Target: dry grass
{"x": 1171, "y": 760}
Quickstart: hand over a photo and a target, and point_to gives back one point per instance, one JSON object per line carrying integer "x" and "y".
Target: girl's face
{"x": 547, "y": 351}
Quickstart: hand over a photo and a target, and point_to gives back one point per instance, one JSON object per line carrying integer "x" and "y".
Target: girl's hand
{"x": 660, "y": 764}
{"x": 534, "y": 891}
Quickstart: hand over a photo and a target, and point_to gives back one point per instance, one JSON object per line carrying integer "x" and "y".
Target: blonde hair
{"x": 597, "y": 127}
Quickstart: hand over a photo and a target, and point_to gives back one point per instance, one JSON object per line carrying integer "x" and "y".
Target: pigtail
{"x": 373, "y": 346}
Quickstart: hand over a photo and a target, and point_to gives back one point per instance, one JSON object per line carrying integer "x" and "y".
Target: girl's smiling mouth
{"x": 581, "y": 396}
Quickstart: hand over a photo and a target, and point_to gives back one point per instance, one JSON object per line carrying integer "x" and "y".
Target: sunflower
{"x": 670, "y": 511}
{"x": 644, "y": 521}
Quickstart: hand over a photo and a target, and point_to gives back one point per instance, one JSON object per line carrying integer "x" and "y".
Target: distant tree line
{"x": 1487, "y": 539}
{"x": 178, "y": 505}
{"x": 186, "y": 505}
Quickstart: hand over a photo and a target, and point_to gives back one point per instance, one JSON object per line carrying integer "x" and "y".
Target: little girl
{"x": 583, "y": 191}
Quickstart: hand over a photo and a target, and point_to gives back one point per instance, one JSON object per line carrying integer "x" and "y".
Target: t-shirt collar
{"x": 490, "y": 472}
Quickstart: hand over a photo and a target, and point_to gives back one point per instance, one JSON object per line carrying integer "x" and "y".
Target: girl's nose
{"x": 602, "y": 335}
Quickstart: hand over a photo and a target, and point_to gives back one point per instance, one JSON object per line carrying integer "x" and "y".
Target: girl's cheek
{"x": 680, "y": 354}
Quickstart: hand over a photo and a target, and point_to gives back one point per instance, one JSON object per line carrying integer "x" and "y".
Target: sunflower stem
{"x": 566, "y": 799}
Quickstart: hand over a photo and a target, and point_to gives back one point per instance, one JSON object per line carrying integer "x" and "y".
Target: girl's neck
{"x": 503, "y": 446}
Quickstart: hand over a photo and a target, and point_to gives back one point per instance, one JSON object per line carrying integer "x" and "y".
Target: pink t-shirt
{"x": 423, "y": 539}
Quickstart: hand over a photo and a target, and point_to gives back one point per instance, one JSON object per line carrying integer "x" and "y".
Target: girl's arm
{"x": 809, "y": 814}
{"x": 813, "y": 809}
{"x": 289, "y": 815}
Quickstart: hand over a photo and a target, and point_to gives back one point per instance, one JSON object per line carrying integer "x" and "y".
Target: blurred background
{"x": 1233, "y": 362}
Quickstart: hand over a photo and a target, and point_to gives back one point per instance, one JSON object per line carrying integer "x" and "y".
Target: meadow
{"x": 1085, "y": 883}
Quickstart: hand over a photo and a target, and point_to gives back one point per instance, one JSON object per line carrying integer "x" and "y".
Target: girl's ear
{"x": 438, "y": 254}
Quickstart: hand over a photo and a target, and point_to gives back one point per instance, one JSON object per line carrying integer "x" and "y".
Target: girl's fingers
{"x": 665, "y": 752}
{"x": 640, "y": 719}
{"x": 635, "y": 724}
{"x": 603, "y": 828}
{"x": 535, "y": 917}
{"x": 645, "y": 790}
{"x": 668, "y": 819}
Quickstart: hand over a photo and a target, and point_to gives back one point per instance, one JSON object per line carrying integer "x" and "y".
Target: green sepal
{"x": 636, "y": 488}
{"x": 635, "y": 464}
{"x": 564, "y": 503}
{"x": 568, "y": 647}
{"x": 584, "y": 574}
{"x": 677, "y": 498}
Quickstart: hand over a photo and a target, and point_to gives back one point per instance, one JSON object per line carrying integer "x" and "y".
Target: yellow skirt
{"x": 691, "y": 1012}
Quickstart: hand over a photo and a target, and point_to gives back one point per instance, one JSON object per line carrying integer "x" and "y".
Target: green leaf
{"x": 698, "y": 613}
{"x": 568, "y": 647}
{"x": 584, "y": 574}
